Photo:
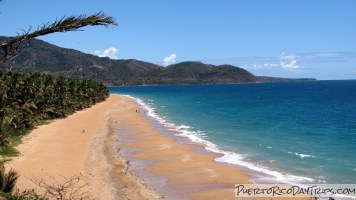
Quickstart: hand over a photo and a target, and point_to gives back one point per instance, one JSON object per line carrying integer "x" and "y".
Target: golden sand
{"x": 85, "y": 144}
{"x": 79, "y": 145}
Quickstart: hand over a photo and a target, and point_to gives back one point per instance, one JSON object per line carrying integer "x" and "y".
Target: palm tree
{"x": 9, "y": 48}
{"x": 28, "y": 98}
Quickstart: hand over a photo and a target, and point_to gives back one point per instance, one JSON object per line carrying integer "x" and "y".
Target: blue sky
{"x": 286, "y": 38}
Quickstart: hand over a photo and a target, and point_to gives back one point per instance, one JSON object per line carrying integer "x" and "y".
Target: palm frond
{"x": 9, "y": 48}
{"x": 7, "y": 180}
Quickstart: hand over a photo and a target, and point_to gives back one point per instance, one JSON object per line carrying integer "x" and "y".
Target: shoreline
{"x": 177, "y": 167}
{"x": 121, "y": 154}
{"x": 79, "y": 146}
{"x": 258, "y": 174}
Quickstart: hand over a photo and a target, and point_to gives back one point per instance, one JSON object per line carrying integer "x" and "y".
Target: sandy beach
{"x": 104, "y": 146}
{"x": 188, "y": 173}
{"x": 80, "y": 145}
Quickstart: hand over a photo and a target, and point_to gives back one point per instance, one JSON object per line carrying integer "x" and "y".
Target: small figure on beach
{"x": 127, "y": 166}
{"x": 83, "y": 131}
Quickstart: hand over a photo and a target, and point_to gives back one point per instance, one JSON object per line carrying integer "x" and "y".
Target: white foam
{"x": 304, "y": 155}
{"x": 227, "y": 156}
{"x": 183, "y": 127}
{"x": 236, "y": 159}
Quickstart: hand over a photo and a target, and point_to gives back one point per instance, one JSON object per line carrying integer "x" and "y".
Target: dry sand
{"x": 62, "y": 149}
{"x": 80, "y": 145}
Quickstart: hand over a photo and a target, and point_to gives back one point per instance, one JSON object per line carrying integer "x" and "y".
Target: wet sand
{"x": 188, "y": 173}
{"x": 180, "y": 170}
{"x": 119, "y": 154}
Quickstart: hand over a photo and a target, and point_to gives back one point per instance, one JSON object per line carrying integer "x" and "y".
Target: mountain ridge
{"x": 42, "y": 57}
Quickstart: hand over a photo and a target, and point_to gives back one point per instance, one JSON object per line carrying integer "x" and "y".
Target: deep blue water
{"x": 303, "y": 129}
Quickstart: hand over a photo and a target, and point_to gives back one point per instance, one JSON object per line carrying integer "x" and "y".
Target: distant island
{"x": 43, "y": 57}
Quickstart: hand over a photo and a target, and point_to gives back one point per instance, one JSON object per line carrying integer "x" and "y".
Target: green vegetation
{"x": 28, "y": 100}
{"x": 7, "y": 187}
{"x": 25, "y": 195}
{"x": 7, "y": 180}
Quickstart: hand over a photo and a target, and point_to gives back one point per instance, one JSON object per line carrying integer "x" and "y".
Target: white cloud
{"x": 288, "y": 61}
{"x": 169, "y": 60}
{"x": 110, "y": 52}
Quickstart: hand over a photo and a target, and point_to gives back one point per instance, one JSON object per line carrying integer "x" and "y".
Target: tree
{"x": 22, "y": 116}
{"x": 10, "y": 48}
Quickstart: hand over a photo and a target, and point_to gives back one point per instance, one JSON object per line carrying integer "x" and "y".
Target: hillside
{"x": 43, "y": 57}
{"x": 40, "y": 56}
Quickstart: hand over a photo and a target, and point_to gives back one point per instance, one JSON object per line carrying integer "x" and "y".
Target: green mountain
{"x": 43, "y": 57}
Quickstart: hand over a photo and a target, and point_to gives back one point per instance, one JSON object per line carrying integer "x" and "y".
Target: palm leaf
{"x": 9, "y": 48}
{"x": 7, "y": 180}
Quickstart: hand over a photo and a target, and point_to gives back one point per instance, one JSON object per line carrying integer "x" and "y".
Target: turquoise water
{"x": 295, "y": 132}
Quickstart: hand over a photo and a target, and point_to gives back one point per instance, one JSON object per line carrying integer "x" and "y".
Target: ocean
{"x": 296, "y": 132}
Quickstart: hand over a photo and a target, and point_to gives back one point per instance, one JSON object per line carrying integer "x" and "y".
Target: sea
{"x": 293, "y": 132}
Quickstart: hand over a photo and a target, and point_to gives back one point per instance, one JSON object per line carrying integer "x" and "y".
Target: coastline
{"x": 80, "y": 145}
{"x": 120, "y": 154}
{"x": 175, "y": 167}
{"x": 183, "y": 169}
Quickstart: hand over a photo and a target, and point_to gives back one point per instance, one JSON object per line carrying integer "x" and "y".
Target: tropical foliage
{"x": 27, "y": 100}
{"x": 24, "y": 195}
{"x": 7, "y": 187}
{"x": 7, "y": 180}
